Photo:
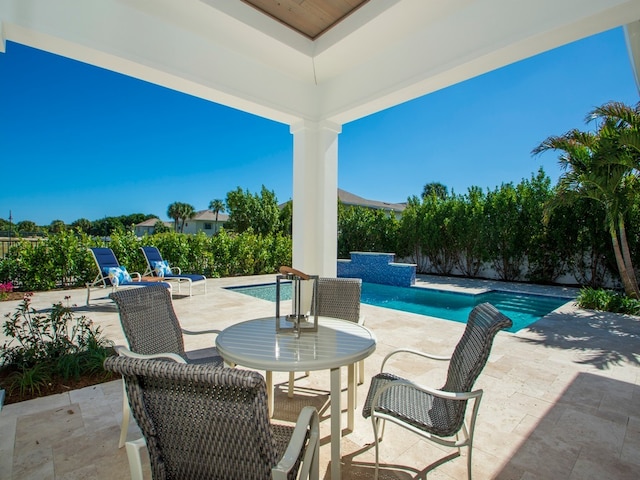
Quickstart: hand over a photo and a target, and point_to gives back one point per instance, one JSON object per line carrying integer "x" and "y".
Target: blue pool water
{"x": 522, "y": 309}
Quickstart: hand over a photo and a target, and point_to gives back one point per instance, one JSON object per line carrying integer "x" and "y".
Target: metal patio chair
{"x": 152, "y": 329}
{"x": 438, "y": 415}
{"x": 200, "y": 421}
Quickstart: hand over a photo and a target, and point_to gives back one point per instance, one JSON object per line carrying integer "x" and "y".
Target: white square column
{"x": 315, "y": 197}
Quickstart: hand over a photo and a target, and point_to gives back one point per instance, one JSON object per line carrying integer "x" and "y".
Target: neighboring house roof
{"x": 348, "y": 198}
{"x": 151, "y": 222}
{"x": 202, "y": 215}
{"x": 210, "y": 216}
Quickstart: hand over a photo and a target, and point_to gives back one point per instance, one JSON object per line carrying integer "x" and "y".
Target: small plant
{"x": 608, "y": 301}
{"x": 43, "y": 348}
{"x": 5, "y": 289}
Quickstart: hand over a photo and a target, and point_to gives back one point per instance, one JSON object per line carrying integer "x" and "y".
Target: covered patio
{"x": 560, "y": 397}
{"x": 314, "y": 65}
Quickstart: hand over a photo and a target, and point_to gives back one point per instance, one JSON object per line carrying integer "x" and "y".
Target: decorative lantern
{"x": 304, "y": 300}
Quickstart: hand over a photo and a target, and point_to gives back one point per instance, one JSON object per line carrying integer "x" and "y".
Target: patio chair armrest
{"x": 135, "y": 276}
{"x": 414, "y": 352}
{"x": 191, "y": 332}
{"x": 125, "y": 352}
{"x": 459, "y": 396}
{"x": 308, "y": 419}
{"x": 176, "y": 270}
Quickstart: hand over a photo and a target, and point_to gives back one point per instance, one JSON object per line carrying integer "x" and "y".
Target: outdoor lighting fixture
{"x": 304, "y": 302}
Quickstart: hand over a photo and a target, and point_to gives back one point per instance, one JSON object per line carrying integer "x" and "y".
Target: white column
{"x": 315, "y": 197}
{"x": 632, "y": 36}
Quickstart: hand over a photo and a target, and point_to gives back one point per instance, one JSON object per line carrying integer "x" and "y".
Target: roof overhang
{"x": 384, "y": 53}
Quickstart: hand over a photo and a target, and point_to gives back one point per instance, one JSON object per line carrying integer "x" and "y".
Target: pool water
{"x": 522, "y": 309}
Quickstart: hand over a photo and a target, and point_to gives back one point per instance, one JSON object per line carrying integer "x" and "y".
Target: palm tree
{"x": 627, "y": 119}
{"x": 599, "y": 167}
{"x": 216, "y": 206}
{"x": 438, "y": 189}
{"x": 186, "y": 212}
{"x": 174, "y": 212}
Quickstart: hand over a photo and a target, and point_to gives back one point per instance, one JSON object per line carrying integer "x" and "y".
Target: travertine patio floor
{"x": 561, "y": 401}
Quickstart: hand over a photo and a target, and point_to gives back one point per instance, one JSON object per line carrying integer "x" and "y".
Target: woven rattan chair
{"x": 338, "y": 298}
{"x": 439, "y": 415}
{"x": 204, "y": 422}
{"x": 152, "y": 329}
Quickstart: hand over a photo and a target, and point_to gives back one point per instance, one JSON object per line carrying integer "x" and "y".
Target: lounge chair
{"x": 202, "y": 421}
{"x": 158, "y": 267}
{"x": 434, "y": 414}
{"x": 112, "y": 274}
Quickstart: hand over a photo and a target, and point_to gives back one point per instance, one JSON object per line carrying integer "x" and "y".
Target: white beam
{"x": 632, "y": 35}
{"x": 482, "y": 36}
{"x": 115, "y": 36}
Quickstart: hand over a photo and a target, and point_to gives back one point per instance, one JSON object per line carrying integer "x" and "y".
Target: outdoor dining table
{"x": 255, "y": 344}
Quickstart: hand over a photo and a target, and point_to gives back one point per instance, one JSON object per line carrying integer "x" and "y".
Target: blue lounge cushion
{"x": 161, "y": 268}
{"x": 117, "y": 275}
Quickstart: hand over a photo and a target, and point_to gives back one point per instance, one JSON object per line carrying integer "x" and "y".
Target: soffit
{"x": 309, "y": 17}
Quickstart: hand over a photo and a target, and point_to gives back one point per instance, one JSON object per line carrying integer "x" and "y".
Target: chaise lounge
{"x": 158, "y": 267}
{"x": 112, "y": 274}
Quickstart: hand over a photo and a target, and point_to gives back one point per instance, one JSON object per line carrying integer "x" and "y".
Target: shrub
{"x": 608, "y": 301}
{"x": 5, "y": 289}
{"x": 42, "y": 347}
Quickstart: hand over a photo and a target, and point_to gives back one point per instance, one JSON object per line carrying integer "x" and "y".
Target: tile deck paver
{"x": 561, "y": 398}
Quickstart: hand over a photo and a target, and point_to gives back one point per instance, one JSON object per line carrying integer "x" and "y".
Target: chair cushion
{"x": 117, "y": 275}
{"x": 161, "y": 268}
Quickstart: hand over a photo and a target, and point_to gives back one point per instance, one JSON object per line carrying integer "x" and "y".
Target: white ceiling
{"x": 385, "y": 53}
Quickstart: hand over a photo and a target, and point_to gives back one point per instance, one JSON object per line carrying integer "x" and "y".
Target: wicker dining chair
{"x": 152, "y": 329}
{"x": 338, "y": 298}
{"x": 205, "y": 422}
{"x": 438, "y": 415}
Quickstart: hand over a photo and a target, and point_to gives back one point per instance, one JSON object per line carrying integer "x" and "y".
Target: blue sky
{"x": 77, "y": 141}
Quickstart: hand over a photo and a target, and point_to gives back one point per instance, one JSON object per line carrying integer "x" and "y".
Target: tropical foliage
{"x": 42, "y": 348}
{"x": 63, "y": 260}
{"x": 180, "y": 212}
{"x": 258, "y": 212}
{"x": 603, "y": 166}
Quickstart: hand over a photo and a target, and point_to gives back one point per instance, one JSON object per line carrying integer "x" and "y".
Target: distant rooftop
{"x": 349, "y": 198}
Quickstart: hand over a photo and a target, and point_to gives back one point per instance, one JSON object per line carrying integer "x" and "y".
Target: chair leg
{"x": 469, "y": 462}
{"x": 375, "y": 423}
{"x": 133, "y": 454}
{"x": 126, "y": 414}
{"x": 292, "y": 378}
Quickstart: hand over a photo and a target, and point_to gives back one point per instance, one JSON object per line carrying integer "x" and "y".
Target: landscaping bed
{"x": 52, "y": 387}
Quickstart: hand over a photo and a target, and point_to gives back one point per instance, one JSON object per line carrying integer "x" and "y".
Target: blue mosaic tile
{"x": 378, "y": 268}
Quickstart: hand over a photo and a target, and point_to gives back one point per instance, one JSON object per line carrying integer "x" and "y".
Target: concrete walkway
{"x": 561, "y": 398}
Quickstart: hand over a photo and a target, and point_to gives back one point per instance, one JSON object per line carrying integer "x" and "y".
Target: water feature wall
{"x": 373, "y": 267}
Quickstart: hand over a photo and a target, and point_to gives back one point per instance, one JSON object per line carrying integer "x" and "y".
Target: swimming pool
{"x": 522, "y": 309}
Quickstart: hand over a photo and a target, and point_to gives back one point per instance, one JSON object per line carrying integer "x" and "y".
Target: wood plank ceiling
{"x": 309, "y": 17}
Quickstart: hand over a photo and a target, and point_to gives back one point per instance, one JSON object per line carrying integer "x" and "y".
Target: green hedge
{"x": 63, "y": 259}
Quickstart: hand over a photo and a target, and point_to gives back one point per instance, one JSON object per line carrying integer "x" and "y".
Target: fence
{"x": 7, "y": 242}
